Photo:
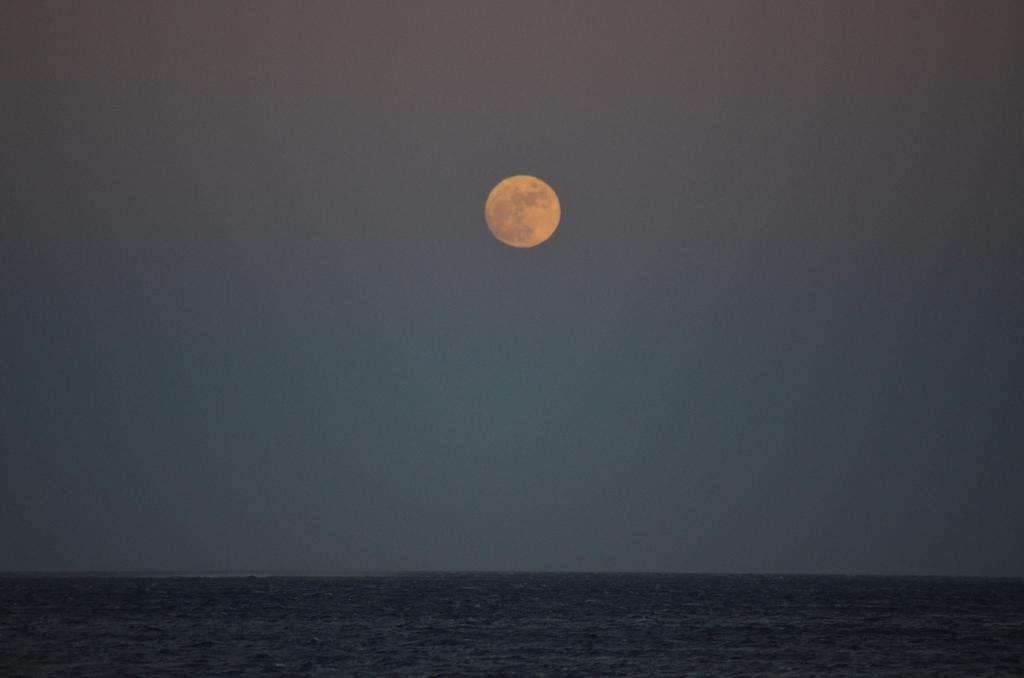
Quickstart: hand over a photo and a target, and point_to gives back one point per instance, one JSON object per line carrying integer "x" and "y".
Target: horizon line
{"x": 354, "y": 573}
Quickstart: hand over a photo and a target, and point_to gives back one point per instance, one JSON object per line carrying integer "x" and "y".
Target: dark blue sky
{"x": 252, "y": 317}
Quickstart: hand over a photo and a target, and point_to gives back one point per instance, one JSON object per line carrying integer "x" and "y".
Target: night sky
{"x": 252, "y": 318}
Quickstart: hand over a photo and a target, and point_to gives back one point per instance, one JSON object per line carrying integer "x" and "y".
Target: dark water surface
{"x": 511, "y": 624}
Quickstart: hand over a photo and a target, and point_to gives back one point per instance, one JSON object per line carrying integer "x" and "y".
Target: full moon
{"x": 522, "y": 211}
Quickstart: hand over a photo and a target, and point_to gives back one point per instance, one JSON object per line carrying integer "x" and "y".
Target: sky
{"x": 252, "y": 318}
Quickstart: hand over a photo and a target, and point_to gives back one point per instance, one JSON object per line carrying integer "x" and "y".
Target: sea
{"x": 510, "y": 624}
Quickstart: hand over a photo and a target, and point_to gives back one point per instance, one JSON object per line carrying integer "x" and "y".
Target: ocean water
{"x": 512, "y": 624}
